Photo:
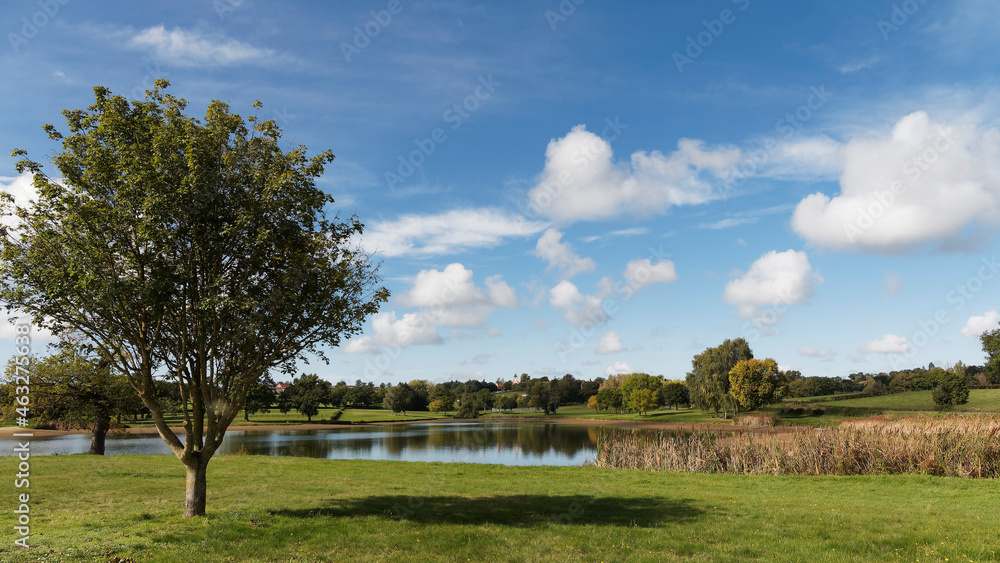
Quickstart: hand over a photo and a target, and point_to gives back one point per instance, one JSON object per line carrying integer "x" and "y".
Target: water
{"x": 506, "y": 443}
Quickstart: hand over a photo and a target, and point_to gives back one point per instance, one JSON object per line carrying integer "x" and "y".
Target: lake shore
{"x": 9, "y": 431}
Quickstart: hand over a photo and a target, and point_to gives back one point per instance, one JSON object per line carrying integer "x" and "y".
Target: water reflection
{"x": 508, "y": 443}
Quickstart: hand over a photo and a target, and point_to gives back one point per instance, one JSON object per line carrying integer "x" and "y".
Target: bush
{"x": 468, "y": 409}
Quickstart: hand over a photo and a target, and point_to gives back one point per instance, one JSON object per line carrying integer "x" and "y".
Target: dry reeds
{"x": 957, "y": 446}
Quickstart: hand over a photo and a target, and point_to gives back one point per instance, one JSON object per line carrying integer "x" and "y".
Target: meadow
{"x": 271, "y": 509}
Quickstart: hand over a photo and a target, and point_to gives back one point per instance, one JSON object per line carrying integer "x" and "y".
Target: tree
{"x": 641, "y": 400}
{"x": 197, "y": 249}
{"x": 951, "y": 390}
{"x": 398, "y": 398}
{"x": 75, "y": 388}
{"x": 636, "y": 381}
{"x": 305, "y": 395}
{"x": 610, "y": 398}
{"x": 708, "y": 381}
{"x": 592, "y": 402}
{"x": 675, "y": 394}
{"x": 468, "y": 408}
{"x": 539, "y": 398}
{"x": 444, "y": 404}
{"x": 991, "y": 346}
{"x": 260, "y": 397}
{"x": 508, "y": 403}
{"x": 754, "y": 383}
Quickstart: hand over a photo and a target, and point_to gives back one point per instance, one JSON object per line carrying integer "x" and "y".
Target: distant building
{"x": 279, "y": 388}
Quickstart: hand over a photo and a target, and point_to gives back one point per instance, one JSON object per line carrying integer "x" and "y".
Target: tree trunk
{"x": 194, "y": 495}
{"x": 246, "y": 415}
{"x": 98, "y": 433}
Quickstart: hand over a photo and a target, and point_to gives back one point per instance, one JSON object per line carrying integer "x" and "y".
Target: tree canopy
{"x": 196, "y": 249}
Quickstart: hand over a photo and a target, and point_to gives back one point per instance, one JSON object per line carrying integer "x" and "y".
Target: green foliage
{"x": 675, "y": 394}
{"x": 260, "y": 397}
{"x": 398, "y": 398}
{"x": 708, "y": 381}
{"x": 468, "y": 408}
{"x": 951, "y": 390}
{"x": 444, "y": 404}
{"x": 991, "y": 346}
{"x": 610, "y": 398}
{"x": 634, "y": 382}
{"x": 305, "y": 395}
{"x": 754, "y": 383}
{"x": 199, "y": 248}
{"x": 642, "y": 400}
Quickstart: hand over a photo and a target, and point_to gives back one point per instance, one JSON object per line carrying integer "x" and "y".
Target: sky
{"x": 590, "y": 187}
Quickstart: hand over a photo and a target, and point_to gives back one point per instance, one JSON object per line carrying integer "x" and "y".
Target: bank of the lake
{"x": 268, "y": 509}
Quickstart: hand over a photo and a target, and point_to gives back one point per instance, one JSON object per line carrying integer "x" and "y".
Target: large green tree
{"x": 991, "y": 345}
{"x": 708, "y": 381}
{"x": 260, "y": 397}
{"x": 199, "y": 250}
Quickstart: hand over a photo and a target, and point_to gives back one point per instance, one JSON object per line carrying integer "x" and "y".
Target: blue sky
{"x": 588, "y": 187}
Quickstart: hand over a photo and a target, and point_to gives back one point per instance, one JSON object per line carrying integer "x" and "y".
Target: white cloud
{"x": 191, "y": 48}
{"x": 618, "y": 367}
{"x": 976, "y": 325}
{"x": 889, "y": 344}
{"x": 446, "y": 233}
{"x": 610, "y": 343}
{"x": 481, "y": 359}
{"x": 729, "y": 223}
{"x": 582, "y": 181}
{"x": 810, "y": 352}
{"x": 776, "y": 280}
{"x": 580, "y": 309}
{"x": 388, "y": 331}
{"x": 447, "y": 298}
{"x": 926, "y": 183}
{"x": 641, "y": 273}
{"x": 560, "y": 255}
{"x": 801, "y": 158}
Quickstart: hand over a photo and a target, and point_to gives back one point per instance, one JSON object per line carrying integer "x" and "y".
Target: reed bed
{"x": 947, "y": 446}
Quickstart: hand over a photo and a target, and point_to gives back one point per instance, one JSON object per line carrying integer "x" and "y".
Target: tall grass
{"x": 950, "y": 446}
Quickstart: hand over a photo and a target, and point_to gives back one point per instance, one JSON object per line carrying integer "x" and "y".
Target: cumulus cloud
{"x": 580, "y": 309}
{"x": 582, "y": 181}
{"x": 192, "y": 48}
{"x": 776, "y": 281}
{"x": 976, "y": 325}
{"x": 888, "y": 344}
{"x": 446, "y": 298}
{"x": 643, "y": 272}
{"x": 22, "y": 189}
{"x": 925, "y": 183}
{"x": 618, "y": 367}
{"x": 445, "y": 233}
{"x": 810, "y": 352}
{"x": 610, "y": 343}
{"x": 560, "y": 255}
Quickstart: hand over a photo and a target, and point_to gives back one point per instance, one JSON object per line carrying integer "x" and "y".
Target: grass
{"x": 980, "y": 400}
{"x": 269, "y": 509}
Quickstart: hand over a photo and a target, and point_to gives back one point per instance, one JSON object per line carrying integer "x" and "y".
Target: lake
{"x": 506, "y": 443}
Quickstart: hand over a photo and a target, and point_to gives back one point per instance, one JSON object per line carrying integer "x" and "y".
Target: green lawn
{"x": 980, "y": 400}
{"x": 307, "y": 510}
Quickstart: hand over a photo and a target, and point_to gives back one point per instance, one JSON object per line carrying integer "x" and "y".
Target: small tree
{"x": 305, "y": 395}
{"x": 592, "y": 402}
{"x": 75, "y": 388}
{"x": 675, "y": 394}
{"x": 753, "y": 383}
{"x": 398, "y": 398}
{"x": 610, "y": 398}
{"x": 444, "y": 404}
{"x": 951, "y": 390}
{"x": 260, "y": 398}
{"x": 468, "y": 408}
{"x": 641, "y": 400}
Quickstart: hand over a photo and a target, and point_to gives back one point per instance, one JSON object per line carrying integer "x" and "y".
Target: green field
{"x": 581, "y": 411}
{"x": 88, "y": 508}
{"x": 980, "y": 400}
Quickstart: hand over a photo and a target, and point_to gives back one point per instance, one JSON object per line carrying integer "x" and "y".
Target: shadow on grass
{"x": 513, "y": 510}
